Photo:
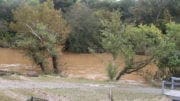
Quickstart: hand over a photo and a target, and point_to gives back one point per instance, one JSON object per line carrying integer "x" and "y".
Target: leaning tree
{"x": 40, "y": 30}
{"x": 127, "y": 41}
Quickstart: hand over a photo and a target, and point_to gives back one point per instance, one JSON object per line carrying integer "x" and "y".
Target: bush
{"x": 82, "y": 43}
{"x": 7, "y": 39}
{"x": 172, "y": 62}
{"x": 112, "y": 71}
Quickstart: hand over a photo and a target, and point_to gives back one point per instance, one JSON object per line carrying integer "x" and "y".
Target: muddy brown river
{"x": 90, "y": 66}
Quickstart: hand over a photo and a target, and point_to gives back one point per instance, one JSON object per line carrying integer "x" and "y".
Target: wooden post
{"x": 172, "y": 83}
{"x": 163, "y": 86}
{"x": 110, "y": 95}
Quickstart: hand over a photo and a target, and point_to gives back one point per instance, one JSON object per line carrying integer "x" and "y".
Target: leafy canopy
{"x": 128, "y": 40}
{"x": 40, "y": 29}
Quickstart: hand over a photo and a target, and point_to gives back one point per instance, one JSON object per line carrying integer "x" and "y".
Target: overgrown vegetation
{"x": 123, "y": 28}
{"x": 170, "y": 61}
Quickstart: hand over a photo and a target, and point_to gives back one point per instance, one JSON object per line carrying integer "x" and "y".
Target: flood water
{"x": 90, "y": 66}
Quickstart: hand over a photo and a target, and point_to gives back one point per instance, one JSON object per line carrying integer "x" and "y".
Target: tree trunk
{"x": 42, "y": 67}
{"x": 121, "y": 73}
{"x": 55, "y": 64}
{"x": 134, "y": 67}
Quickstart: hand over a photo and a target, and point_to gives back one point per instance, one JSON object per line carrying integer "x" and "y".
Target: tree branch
{"x": 137, "y": 66}
{"x": 34, "y": 33}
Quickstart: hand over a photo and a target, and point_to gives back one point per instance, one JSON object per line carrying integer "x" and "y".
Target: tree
{"x": 169, "y": 63}
{"x": 157, "y": 12}
{"x": 173, "y": 31}
{"x": 151, "y": 11}
{"x": 173, "y": 7}
{"x": 85, "y": 29}
{"x": 7, "y": 37}
{"x": 63, "y": 4}
{"x": 125, "y": 7}
{"x": 43, "y": 28}
{"x": 5, "y": 9}
{"x": 120, "y": 39}
{"x": 171, "y": 60}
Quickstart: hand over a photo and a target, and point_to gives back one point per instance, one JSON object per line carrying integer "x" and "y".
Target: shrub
{"x": 7, "y": 39}
{"x": 112, "y": 71}
{"x": 171, "y": 61}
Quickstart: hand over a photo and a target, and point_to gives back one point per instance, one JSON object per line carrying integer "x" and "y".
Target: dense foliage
{"x": 38, "y": 34}
{"x": 121, "y": 27}
{"x": 127, "y": 41}
{"x": 85, "y": 30}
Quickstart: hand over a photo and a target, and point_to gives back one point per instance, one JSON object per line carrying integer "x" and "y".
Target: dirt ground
{"x": 89, "y": 66}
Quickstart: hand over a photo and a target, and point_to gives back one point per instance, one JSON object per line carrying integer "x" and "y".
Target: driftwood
{"x": 36, "y": 99}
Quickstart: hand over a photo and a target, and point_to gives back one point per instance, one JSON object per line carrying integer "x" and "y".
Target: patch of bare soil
{"x": 90, "y": 66}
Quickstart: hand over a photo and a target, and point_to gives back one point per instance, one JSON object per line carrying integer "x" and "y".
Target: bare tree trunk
{"x": 37, "y": 59}
{"x": 55, "y": 64}
{"x": 42, "y": 67}
{"x": 121, "y": 73}
{"x": 134, "y": 67}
